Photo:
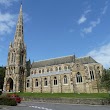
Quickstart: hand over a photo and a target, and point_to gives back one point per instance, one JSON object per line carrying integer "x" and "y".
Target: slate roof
{"x": 62, "y": 60}
{"x": 85, "y": 60}
{"x": 54, "y": 61}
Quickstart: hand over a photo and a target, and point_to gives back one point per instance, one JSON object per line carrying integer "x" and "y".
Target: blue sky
{"x": 55, "y": 28}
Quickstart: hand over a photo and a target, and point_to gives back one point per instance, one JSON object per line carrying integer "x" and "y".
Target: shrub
{"x": 7, "y": 101}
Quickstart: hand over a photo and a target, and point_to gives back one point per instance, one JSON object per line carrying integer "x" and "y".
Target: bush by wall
{"x": 7, "y": 101}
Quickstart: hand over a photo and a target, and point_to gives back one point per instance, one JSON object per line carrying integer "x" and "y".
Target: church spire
{"x": 16, "y": 65}
{"x": 18, "y": 39}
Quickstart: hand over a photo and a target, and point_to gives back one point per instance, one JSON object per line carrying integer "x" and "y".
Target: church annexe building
{"x": 67, "y": 74}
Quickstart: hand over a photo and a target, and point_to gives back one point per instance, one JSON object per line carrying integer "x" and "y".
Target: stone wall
{"x": 87, "y": 83}
{"x": 70, "y": 100}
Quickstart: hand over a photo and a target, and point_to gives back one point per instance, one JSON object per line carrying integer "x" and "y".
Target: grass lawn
{"x": 64, "y": 95}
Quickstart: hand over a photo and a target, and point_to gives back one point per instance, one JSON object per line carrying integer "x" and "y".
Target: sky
{"x": 56, "y": 28}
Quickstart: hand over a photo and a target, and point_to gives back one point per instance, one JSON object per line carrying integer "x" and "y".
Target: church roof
{"x": 85, "y": 60}
{"x": 62, "y": 60}
{"x": 54, "y": 61}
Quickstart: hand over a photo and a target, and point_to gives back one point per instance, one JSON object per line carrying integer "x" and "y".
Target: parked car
{"x": 16, "y": 98}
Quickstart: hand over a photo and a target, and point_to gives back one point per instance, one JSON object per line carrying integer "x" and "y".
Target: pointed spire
{"x": 21, "y": 7}
{"x": 19, "y": 29}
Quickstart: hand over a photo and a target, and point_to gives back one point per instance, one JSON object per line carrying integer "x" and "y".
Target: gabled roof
{"x": 85, "y": 60}
{"x": 54, "y": 61}
{"x": 62, "y": 60}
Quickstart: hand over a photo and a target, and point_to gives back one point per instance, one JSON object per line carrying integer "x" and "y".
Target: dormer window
{"x": 56, "y": 69}
{"x": 43, "y": 71}
{"x": 59, "y": 68}
{"x": 39, "y": 71}
{"x": 47, "y": 70}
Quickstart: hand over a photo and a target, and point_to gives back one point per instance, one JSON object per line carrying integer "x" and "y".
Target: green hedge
{"x": 64, "y": 95}
{"x": 7, "y": 101}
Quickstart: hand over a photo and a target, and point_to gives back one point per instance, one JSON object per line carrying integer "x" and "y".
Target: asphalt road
{"x": 51, "y": 106}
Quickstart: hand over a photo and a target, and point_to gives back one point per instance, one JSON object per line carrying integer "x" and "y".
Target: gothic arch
{"x": 9, "y": 85}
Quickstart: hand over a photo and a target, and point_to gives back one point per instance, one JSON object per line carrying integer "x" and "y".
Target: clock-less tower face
{"x": 16, "y": 64}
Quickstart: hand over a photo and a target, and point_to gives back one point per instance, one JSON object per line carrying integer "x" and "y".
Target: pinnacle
{"x": 21, "y": 8}
{"x": 19, "y": 29}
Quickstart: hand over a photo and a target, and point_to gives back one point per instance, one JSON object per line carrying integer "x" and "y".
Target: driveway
{"x": 52, "y": 106}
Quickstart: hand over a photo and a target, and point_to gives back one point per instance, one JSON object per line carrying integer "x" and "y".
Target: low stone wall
{"x": 70, "y": 100}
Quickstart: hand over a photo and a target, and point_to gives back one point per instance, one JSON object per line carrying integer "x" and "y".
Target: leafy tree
{"x": 2, "y": 75}
{"x": 105, "y": 79}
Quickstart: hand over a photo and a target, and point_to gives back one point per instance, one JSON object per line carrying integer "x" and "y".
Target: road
{"x": 51, "y": 106}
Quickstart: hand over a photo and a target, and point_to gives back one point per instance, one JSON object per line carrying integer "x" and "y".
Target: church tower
{"x": 15, "y": 75}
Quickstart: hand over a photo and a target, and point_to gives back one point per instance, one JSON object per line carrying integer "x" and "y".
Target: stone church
{"x": 67, "y": 74}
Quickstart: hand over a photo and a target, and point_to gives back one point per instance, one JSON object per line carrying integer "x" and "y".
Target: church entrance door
{"x": 9, "y": 86}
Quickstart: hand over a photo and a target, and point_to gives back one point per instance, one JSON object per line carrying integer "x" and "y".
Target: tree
{"x": 105, "y": 79}
{"x": 2, "y": 75}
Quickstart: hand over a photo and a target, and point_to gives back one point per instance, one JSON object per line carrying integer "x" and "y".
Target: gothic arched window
{"x": 12, "y": 58}
{"x": 42, "y": 70}
{"x": 65, "y": 67}
{"x": 59, "y": 68}
{"x": 51, "y": 69}
{"x": 92, "y": 75}
{"x": 45, "y": 81}
{"x": 28, "y": 83}
{"x": 22, "y": 59}
{"x": 56, "y": 69}
{"x": 35, "y": 72}
{"x": 69, "y": 67}
{"x": 39, "y": 71}
{"x": 55, "y": 81}
{"x": 47, "y": 70}
{"x": 78, "y": 77}
{"x": 36, "y": 83}
{"x": 31, "y": 72}
{"x": 65, "y": 79}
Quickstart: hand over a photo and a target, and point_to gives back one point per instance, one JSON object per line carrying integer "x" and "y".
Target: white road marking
{"x": 41, "y": 108}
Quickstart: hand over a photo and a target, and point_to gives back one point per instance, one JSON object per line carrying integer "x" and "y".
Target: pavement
{"x": 51, "y": 106}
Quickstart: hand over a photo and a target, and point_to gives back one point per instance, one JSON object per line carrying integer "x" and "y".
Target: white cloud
{"x": 82, "y": 19}
{"x": 26, "y": 17}
{"x": 7, "y": 22}
{"x": 87, "y": 11}
{"x": 93, "y": 24}
{"x": 104, "y": 10}
{"x": 7, "y": 2}
{"x": 102, "y": 55}
{"x": 87, "y": 30}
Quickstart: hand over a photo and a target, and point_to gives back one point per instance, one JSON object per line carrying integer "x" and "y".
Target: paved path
{"x": 51, "y": 106}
